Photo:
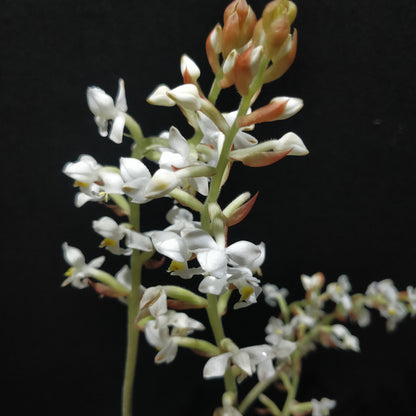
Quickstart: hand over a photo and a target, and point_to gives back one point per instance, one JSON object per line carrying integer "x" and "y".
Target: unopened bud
{"x": 246, "y": 67}
{"x": 228, "y": 69}
{"x": 163, "y": 181}
{"x": 274, "y": 10}
{"x": 189, "y": 69}
{"x": 239, "y": 22}
{"x": 213, "y": 48}
{"x": 283, "y": 60}
{"x": 271, "y": 151}
{"x": 279, "y": 108}
{"x": 159, "y": 97}
{"x": 153, "y": 302}
{"x": 186, "y": 96}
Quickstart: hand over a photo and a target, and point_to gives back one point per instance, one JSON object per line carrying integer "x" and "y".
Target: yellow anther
{"x": 108, "y": 242}
{"x": 245, "y": 292}
{"x": 69, "y": 272}
{"x": 106, "y": 197}
{"x": 392, "y": 311}
{"x": 81, "y": 184}
{"x": 176, "y": 265}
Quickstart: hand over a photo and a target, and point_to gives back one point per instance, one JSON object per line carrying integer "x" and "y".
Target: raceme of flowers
{"x": 196, "y": 243}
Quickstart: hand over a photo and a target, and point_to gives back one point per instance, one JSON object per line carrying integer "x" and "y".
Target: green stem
{"x": 255, "y": 392}
{"x": 132, "y": 311}
{"x": 291, "y": 394}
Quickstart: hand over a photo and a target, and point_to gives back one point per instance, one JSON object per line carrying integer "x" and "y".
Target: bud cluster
{"x": 195, "y": 244}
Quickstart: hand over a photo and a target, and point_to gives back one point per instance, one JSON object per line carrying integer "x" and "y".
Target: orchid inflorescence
{"x": 247, "y": 53}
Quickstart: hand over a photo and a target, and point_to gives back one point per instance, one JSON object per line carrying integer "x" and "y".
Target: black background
{"x": 348, "y": 207}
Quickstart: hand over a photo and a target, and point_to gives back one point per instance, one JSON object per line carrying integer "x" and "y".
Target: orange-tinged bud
{"x": 237, "y": 6}
{"x": 284, "y": 59}
{"x": 243, "y": 75}
{"x": 273, "y": 11}
{"x": 279, "y": 108}
{"x": 241, "y": 212}
{"x": 239, "y": 22}
{"x": 213, "y": 48}
{"x": 292, "y": 12}
{"x": 276, "y": 35}
{"x": 269, "y": 112}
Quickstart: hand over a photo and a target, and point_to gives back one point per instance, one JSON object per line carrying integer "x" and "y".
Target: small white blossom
{"x": 322, "y": 407}
{"x": 339, "y": 292}
{"x": 104, "y": 109}
{"x": 342, "y": 338}
{"x": 247, "y": 359}
{"x": 79, "y": 271}
{"x": 113, "y": 233}
{"x": 311, "y": 283}
{"x": 272, "y": 293}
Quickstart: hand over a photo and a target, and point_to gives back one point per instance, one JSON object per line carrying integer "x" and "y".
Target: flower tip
{"x": 159, "y": 96}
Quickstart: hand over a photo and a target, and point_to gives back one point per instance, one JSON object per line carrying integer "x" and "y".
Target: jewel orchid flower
{"x": 246, "y": 359}
{"x": 77, "y": 275}
{"x": 113, "y": 233}
{"x": 322, "y": 407}
{"x": 105, "y": 110}
{"x": 94, "y": 181}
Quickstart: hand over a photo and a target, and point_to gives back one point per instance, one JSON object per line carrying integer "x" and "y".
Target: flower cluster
{"x": 245, "y": 52}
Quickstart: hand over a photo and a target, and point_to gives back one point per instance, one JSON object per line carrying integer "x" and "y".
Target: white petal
{"x": 197, "y": 240}
{"x": 213, "y": 285}
{"x": 97, "y": 262}
{"x": 108, "y": 228}
{"x": 100, "y": 103}
{"x": 216, "y": 366}
{"x": 162, "y": 182}
{"x": 116, "y": 133}
{"x": 121, "y": 103}
{"x": 213, "y": 261}
{"x": 178, "y": 143}
{"x": 159, "y": 97}
{"x": 187, "y": 64}
{"x": 291, "y": 141}
{"x": 113, "y": 182}
{"x": 138, "y": 241}
{"x": 170, "y": 244}
{"x": 131, "y": 168}
{"x": 242, "y": 359}
{"x": 244, "y": 253}
{"x": 187, "y": 96}
{"x": 73, "y": 256}
{"x": 293, "y": 106}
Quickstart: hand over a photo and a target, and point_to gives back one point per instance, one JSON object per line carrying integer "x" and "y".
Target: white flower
{"x": 93, "y": 180}
{"x": 313, "y": 282}
{"x": 104, "y": 109}
{"x": 322, "y": 407}
{"x": 113, "y": 233}
{"x": 162, "y": 333}
{"x": 384, "y": 296}
{"x": 272, "y": 293}
{"x": 214, "y": 259}
{"x": 153, "y": 302}
{"x": 342, "y": 338}
{"x": 247, "y": 285}
{"x": 170, "y": 244}
{"x": 179, "y": 153}
{"x": 135, "y": 176}
{"x": 180, "y": 219}
{"x": 79, "y": 271}
{"x": 247, "y": 359}
{"x": 338, "y": 292}
{"x": 189, "y": 68}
